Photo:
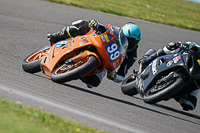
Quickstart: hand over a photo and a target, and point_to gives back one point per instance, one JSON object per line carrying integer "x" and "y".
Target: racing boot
{"x": 93, "y": 80}
{"x": 189, "y": 101}
{"x": 112, "y": 75}
{"x": 66, "y": 32}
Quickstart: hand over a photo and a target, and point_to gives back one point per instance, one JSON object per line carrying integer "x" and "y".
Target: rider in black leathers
{"x": 189, "y": 101}
{"x": 81, "y": 27}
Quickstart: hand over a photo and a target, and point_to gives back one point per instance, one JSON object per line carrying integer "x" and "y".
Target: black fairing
{"x": 193, "y": 65}
{"x": 186, "y": 64}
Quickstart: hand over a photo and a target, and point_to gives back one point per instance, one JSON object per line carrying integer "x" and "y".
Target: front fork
{"x": 171, "y": 76}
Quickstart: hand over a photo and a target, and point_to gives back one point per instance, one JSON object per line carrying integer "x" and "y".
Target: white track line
{"x": 72, "y": 110}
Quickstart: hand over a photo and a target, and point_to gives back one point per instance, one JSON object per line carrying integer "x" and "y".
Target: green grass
{"x": 178, "y": 13}
{"x": 16, "y": 118}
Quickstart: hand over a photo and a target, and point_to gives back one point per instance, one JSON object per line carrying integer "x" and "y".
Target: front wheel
{"x": 164, "y": 90}
{"x": 72, "y": 71}
{"x": 31, "y": 63}
{"x": 128, "y": 86}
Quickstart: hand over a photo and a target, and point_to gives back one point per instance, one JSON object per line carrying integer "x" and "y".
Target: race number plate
{"x": 112, "y": 51}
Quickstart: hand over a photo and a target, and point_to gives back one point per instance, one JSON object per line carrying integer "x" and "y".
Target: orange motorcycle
{"x": 80, "y": 56}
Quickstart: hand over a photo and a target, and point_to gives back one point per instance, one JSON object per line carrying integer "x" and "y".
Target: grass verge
{"x": 16, "y": 118}
{"x": 178, "y": 13}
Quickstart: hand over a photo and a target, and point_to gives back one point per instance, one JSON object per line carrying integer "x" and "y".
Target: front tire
{"x": 74, "y": 71}
{"x": 31, "y": 63}
{"x": 156, "y": 94}
{"x": 128, "y": 86}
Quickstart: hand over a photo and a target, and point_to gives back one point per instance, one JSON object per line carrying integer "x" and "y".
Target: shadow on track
{"x": 177, "y": 111}
{"x": 135, "y": 105}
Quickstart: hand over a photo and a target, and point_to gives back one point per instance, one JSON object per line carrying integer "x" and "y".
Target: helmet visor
{"x": 121, "y": 40}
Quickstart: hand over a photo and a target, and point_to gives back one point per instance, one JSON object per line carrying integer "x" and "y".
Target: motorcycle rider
{"x": 189, "y": 101}
{"x": 81, "y": 27}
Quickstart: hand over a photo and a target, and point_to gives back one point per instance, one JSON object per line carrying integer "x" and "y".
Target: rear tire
{"x": 128, "y": 86}
{"x": 164, "y": 93}
{"x": 31, "y": 63}
{"x": 76, "y": 72}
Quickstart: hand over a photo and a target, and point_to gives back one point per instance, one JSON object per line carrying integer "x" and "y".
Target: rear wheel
{"x": 72, "y": 71}
{"x": 164, "y": 90}
{"x": 31, "y": 63}
{"x": 128, "y": 86}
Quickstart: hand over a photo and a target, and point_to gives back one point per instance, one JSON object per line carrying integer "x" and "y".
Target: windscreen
{"x": 121, "y": 40}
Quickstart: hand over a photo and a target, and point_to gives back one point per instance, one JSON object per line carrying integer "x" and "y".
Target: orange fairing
{"x": 84, "y": 55}
{"x": 107, "y": 52}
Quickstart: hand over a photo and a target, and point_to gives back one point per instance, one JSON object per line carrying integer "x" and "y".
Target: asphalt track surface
{"x": 23, "y": 28}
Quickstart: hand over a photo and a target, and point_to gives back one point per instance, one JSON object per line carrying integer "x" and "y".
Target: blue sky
{"x": 197, "y": 1}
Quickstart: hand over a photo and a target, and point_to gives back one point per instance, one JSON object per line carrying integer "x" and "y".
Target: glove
{"x": 53, "y": 38}
{"x": 94, "y": 24}
{"x": 112, "y": 75}
{"x": 173, "y": 45}
{"x": 143, "y": 61}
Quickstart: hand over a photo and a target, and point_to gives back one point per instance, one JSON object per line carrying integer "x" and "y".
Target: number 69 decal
{"x": 112, "y": 51}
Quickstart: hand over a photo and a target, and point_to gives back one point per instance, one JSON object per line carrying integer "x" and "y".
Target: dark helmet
{"x": 133, "y": 34}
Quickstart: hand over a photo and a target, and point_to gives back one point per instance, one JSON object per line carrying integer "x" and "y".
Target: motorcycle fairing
{"x": 158, "y": 67}
{"x": 194, "y": 64}
{"x": 71, "y": 48}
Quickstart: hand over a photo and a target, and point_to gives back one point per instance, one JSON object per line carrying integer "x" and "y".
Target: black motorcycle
{"x": 166, "y": 77}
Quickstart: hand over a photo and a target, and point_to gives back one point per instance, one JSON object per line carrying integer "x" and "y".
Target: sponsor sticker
{"x": 177, "y": 58}
{"x": 111, "y": 32}
{"x": 154, "y": 70}
{"x": 106, "y": 37}
{"x": 80, "y": 43}
{"x": 114, "y": 65}
{"x": 109, "y": 37}
{"x": 85, "y": 41}
{"x": 169, "y": 63}
{"x": 59, "y": 44}
{"x": 103, "y": 38}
